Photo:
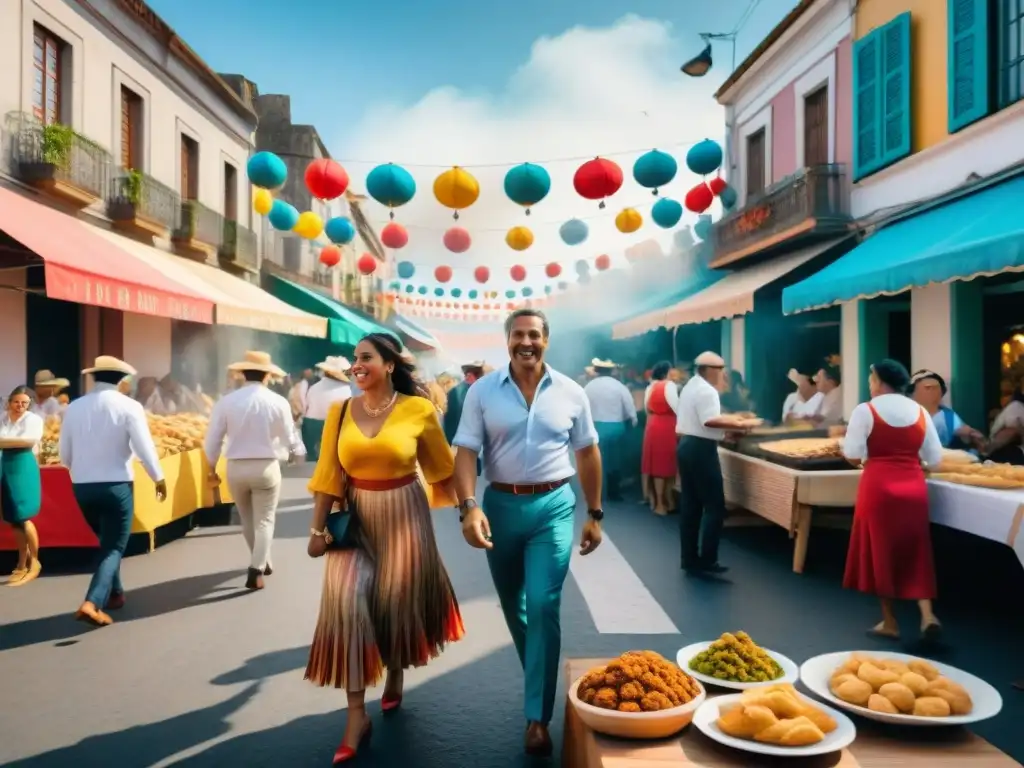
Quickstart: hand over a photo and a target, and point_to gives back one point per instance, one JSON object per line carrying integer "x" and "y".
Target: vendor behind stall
{"x": 47, "y": 387}
{"x": 829, "y": 382}
{"x": 805, "y": 402}
{"x": 612, "y": 407}
{"x": 332, "y": 388}
{"x": 928, "y": 388}
{"x": 1007, "y": 444}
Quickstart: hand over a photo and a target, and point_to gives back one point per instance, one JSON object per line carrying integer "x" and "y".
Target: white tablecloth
{"x": 984, "y": 512}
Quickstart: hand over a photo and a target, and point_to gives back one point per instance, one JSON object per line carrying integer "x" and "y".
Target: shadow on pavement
{"x": 266, "y": 665}
{"x": 143, "y": 603}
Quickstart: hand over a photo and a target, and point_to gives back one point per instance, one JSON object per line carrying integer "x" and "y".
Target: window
{"x": 131, "y": 129}
{"x": 48, "y": 75}
{"x": 816, "y": 127}
{"x": 1011, "y": 51}
{"x": 755, "y": 163}
{"x": 230, "y": 192}
{"x": 189, "y": 168}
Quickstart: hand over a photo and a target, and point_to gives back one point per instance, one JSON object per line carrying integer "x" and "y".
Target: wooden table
{"x": 877, "y": 746}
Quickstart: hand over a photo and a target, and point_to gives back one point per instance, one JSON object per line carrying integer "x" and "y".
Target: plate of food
{"x": 775, "y": 720}
{"x": 639, "y": 695}
{"x": 735, "y": 661}
{"x": 900, "y": 689}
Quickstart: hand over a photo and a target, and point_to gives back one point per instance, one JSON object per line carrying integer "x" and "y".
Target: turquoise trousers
{"x": 532, "y": 537}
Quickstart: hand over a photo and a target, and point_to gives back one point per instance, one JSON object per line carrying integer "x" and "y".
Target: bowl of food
{"x": 735, "y": 661}
{"x": 639, "y": 695}
{"x": 900, "y": 689}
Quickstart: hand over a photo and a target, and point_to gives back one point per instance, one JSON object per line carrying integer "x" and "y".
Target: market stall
{"x": 987, "y": 512}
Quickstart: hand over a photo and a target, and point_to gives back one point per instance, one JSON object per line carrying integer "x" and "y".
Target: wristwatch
{"x": 597, "y": 515}
{"x": 465, "y": 507}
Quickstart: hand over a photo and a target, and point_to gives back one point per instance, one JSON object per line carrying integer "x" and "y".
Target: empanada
{"x": 745, "y": 722}
{"x": 795, "y": 732}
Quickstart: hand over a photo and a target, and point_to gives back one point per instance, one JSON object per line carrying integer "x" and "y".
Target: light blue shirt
{"x": 522, "y": 444}
{"x": 943, "y": 420}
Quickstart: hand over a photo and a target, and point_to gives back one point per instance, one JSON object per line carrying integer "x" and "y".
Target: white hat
{"x": 257, "y": 361}
{"x": 599, "y": 363}
{"x": 335, "y": 366}
{"x": 110, "y": 364}
{"x": 473, "y": 365}
{"x": 709, "y": 360}
{"x": 45, "y": 378}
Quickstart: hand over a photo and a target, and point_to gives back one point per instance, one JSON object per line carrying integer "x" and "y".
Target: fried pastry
{"x": 899, "y": 694}
{"x": 795, "y": 732}
{"x": 745, "y": 721}
{"x": 854, "y": 691}
{"x": 875, "y": 676}
{"x": 931, "y": 706}
{"x": 924, "y": 669}
{"x": 898, "y": 687}
{"x": 878, "y": 703}
{"x": 915, "y": 682}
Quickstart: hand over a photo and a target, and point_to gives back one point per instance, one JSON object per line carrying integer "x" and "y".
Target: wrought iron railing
{"x": 818, "y": 195}
{"x": 200, "y": 224}
{"x": 43, "y": 153}
{"x": 136, "y": 195}
{"x": 239, "y": 245}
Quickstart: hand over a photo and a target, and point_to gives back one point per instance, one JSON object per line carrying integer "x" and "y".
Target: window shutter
{"x": 867, "y": 108}
{"x": 896, "y": 116}
{"x": 967, "y": 62}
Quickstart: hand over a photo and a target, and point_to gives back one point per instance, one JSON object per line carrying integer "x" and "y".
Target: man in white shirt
{"x": 332, "y": 388}
{"x": 612, "y": 408}
{"x": 803, "y": 404}
{"x": 701, "y": 426}
{"x": 47, "y": 386}
{"x": 255, "y": 422}
{"x": 101, "y": 434}
{"x": 829, "y": 382}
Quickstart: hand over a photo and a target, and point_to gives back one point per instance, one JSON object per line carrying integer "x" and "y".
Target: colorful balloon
{"x": 422, "y": 290}
{"x": 603, "y": 262}
{"x": 666, "y": 213}
{"x": 481, "y": 274}
{"x": 340, "y": 230}
{"x": 510, "y": 294}
{"x": 654, "y": 169}
{"x": 262, "y": 201}
{"x": 518, "y": 273}
{"x": 283, "y": 216}
{"x": 527, "y": 184}
{"x": 553, "y": 270}
{"x": 457, "y": 240}
{"x": 439, "y": 291}
{"x": 391, "y": 186}
{"x": 326, "y": 179}
{"x": 728, "y": 197}
{"x": 629, "y": 220}
{"x": 267, "y": 170}
{"x": 702, "y": 228}
{"x": 330, "y": 255}
{"x": 472, "y": 293}
{"x": 699, "y": 199}
{"x": 573, "y": 232}
{"x": 406, "y": 269}
{"x": 704, "y": 157}
{"x": 527, "y": 291}
{"x": 716, "y": 185}
{"x": 394, "y": 235}
{"x": 597, "y": 179}
{"x": 366, "y": 265}
{"x": 309, "y": 225}
{"x": 456, "y": 292}
{"x": 443, "y": 274}
{"x": 457, "y": 189}
{"x": 519, "y": 238}
{"x": 410, "y": 288}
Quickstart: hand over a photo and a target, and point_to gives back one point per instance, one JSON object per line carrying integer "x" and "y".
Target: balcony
{"x": 60, "y": 162}
{"x": 238, "y": 246}
{"x": 199, "y": 232}
{"x": 812, "y": 204}
{"x": 141, "y": 205}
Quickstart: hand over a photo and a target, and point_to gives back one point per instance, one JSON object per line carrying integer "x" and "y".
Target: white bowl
{"x": 790, "y": 671}
{"x": 635, "y": 725}
{"x": 706, "y": 721}
{"x": 816, "y": 673}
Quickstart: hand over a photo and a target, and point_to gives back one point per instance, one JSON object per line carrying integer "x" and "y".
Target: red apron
{"x": 659, "y": 457}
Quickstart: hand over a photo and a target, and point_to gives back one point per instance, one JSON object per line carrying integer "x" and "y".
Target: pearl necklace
{"x": 375, "y": 412}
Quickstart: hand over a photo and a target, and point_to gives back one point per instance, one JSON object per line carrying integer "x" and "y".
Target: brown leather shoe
{"x": 255, "y": 580}
{"x": 90, "y": 614}
{"x": 538, "y": 740}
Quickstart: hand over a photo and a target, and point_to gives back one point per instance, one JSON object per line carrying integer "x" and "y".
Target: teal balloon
{"x": 422, "y": 290}
{"x": 704, "y": 157}
{"x": 267, "y": 170}
{"x": 283, "y": 216}
{"x": 410, "y": 288}
{"x": 406, "y": 269}
{"x": 473, "y": 293}
{"x": 573, "y": 232}
{"x": 340, "y": 230}
{"x": 439, "y": 291}
{"x": 527, "y": 291}
{"x": 702, "y": 228}
{"x": 456, "y": 292}
{"x": 395, "y": 286}
{"x": 527, "y": 184}
{"x": 666, "y": 213}
{"x": 547, "y": 289}
{"x": 727, "y": 197}
{"x": 390, "y": 185}
{"x": 655, "y": 169}
{"x": 510, "y": 294}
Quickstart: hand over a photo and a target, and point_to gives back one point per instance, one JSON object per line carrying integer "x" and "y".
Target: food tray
{"x": 816, "y": 464}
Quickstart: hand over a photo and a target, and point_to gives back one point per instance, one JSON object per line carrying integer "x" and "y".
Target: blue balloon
{"x": 283, "y": 216}
{"x": 510, "y": 294}
{"x": 573, "y": 232}
{"x": 267, "y": 170}
{"x": 563, "y": 286}
{"x": 666, "y": 213}
{"x": 655, "y": 169}
{"x": 704, "y": 157}
{"x": 582, "y": 267}
{"x": 456, "y": 292}
{"x": 527, "y": 185}
{"x": 406, "y": 269}
{"x": 410, "y": 288}
{"x": 702, "y": 228}
{"x": 395, "y": 286}
{"x": 423, "y": 290}
{"x": 340, "y": 230}
{"x": 547, "y": 289}
{"x": 439, "y": 291}
{"x": 473, "y": 293}
{"x": 527, "y": 291}
{"x": 390, "y": 185}
{"x": 727, "y": 197}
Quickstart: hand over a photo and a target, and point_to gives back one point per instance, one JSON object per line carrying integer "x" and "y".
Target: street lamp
{"x": 700, "y": 64}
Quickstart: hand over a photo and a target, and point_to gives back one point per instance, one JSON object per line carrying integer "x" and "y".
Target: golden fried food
{"x": 878, "y": 703}
{"x": 896, "y": 687}
{"x": 777, "y": 715}
{"x": 743, "y": 721}
{"x": 875, "y": 676}
{"x": 931, "y": 706}
{"x": 638, "y": 681}
{"x": 738, "y": 659}
{"x": 171, "y": 435}
{"x": 901, "y": 696}
{"x": 798, "y": 732}
{"x": 805, "y": 448}
{"x": 915, "y": 682}
{"x": 854, "y": 691}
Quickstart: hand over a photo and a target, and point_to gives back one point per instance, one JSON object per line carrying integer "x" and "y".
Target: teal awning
{"x": 976, "y": 235}
{"x": 415, "y": 332}
{"x": 343, "y": 325}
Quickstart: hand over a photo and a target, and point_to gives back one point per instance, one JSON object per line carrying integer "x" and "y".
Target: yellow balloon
{"x": 519, "y": 238}
{"x": 629, "y": 220}
{"x": 456, "y": 188}
{"x": 262, "y": 201}
{"x": 309, "y": 226}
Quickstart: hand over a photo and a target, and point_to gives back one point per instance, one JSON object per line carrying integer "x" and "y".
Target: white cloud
{"x": 583, "y": 93}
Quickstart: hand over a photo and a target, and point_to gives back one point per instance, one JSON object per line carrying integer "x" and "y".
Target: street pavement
{"x": 199, "y": 673}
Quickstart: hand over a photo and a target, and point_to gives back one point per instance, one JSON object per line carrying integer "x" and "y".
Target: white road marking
{"x": 619, "y": 602}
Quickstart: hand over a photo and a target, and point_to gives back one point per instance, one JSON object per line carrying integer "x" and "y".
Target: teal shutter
{"x": 967, "y": 62}
{"x": 867, "y": 91}
{"x": 896, "y": 110}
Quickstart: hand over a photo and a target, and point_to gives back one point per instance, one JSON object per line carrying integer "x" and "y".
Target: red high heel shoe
{"x": 390, "y": 705}
{"x": 346, "y": 753}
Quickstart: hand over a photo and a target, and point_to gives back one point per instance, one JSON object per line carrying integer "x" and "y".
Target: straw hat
{"x": 597, "y": 364}
{"x": 257, "y": 361}
{"x": 110, "y": 364}
{"x": 474, "y": 366}
{"x": 45, "y": 378}
{"x": 709, "y": 360}
{"x": 336, "y": 367}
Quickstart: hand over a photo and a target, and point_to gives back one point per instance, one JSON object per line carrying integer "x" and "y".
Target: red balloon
{"x": 699, "y": 199}
{"x": 518, "y": 273}
{"x": 394, "y": 235}
{"x": 597, "y": 179}
{"x": 326, "y": 179}
{"x": 443, "y": 274}
{"x": 603, "y": 261}
{"x": 482, "y": 274}
{"x": 366, "y": 265}
{"x": 716, "y": 185}
{"x": 330, "y": 255}
{"x": 457, "y": 240}
{"x": 553, "y": 270}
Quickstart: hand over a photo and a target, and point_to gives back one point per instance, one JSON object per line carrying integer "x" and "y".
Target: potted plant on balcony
{"x": 49, "y": 153}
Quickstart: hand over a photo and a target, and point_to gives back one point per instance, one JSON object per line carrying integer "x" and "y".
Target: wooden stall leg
{"x": 803, "y": 533}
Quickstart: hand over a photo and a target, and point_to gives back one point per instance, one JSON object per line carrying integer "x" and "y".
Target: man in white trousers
{"x": 257, "y": 424}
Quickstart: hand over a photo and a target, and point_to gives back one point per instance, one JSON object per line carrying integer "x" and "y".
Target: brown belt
{"x": 528, "y": 489}
{"x": 382, "y": 485}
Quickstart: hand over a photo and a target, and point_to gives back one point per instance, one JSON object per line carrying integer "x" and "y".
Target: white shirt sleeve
{"x": 672, "y": 396}
{"x": 931, "y": 448}
{"x": 787, "y": 405}
{"x": 33, "y": 427}
{"x": 287, "y": 430}
{"x": 215, "y": 432}
{"x": 142, "y": 442}
{"x": 855, "y": 444}
{"x": 708, "y": 404}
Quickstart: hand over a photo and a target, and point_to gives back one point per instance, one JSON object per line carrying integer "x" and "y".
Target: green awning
{"x": 343, "y": 325}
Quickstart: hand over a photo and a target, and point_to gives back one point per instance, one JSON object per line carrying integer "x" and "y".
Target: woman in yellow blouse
{"x": 387, "y": 601}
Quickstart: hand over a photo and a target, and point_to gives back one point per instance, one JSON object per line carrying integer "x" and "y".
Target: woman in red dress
{"x": 659, "y": 457}
{"x": 890, "y": 553}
